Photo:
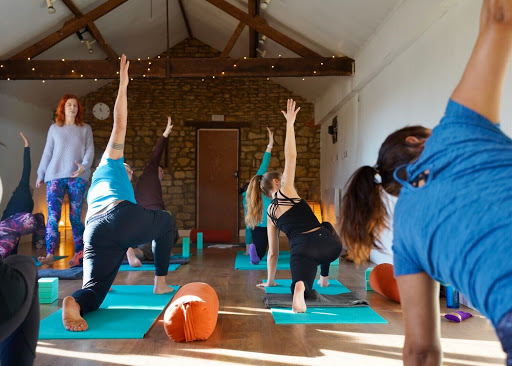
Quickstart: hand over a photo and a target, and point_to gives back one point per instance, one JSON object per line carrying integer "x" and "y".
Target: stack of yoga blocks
{"x": 48, "y": 290}
{"x": 367, "y": 275}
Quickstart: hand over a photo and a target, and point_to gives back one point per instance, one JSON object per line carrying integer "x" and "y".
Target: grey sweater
{"x": 63, "y": 146}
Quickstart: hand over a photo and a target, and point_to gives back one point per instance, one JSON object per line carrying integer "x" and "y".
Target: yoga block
{"x": 211, "y": 236}
{"x": 368, "y": 286}
{"x": 367, "y": 273}
{"x": 186, "y": 248}
{"x": 48, "y": 282}
{"x": 382, "y": 281}
{"x": 199, "y": 241}
{"x": 192, "y": 315}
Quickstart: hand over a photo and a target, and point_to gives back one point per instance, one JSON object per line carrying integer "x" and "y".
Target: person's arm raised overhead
{"x": 169, "y": 127}
{"x": 115, "y": 147}
{"x": 266, "y": 156}
{"x": 481, "y": 86}
{"x": 290, "y": 150}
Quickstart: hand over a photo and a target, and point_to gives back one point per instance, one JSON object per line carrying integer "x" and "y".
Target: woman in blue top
{"x": 311, "y": 243}
{"x": 452, "y": 221}
{"x": 259, "y": 236}
{"x": 115, "y": 222}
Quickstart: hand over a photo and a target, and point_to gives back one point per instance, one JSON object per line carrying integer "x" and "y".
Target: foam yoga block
{"x": 186, "y": 248}
{"x": 192, "y": 315}
{"x": 382, "y": 280}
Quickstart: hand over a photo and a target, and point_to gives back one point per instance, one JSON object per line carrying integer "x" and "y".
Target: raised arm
{"x": 290, "y": 150}
{"x": 25, "y": 176}
{"x": 419, "y": 296}
{"x": 266, "y": 157}
{"x": 115, "y": 147}
{"x": 481, "y": 86}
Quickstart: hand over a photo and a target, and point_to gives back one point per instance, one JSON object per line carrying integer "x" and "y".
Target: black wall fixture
{"x": 333, "y": 130}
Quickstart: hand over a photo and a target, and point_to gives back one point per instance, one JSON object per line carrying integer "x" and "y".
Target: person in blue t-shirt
{"x": 259, "y": 237}
{"x": 452, "y": 219}
{"x": 115, "y": 222}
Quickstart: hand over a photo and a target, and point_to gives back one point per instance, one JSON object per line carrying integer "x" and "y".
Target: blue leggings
{"x": 504, "y": 330}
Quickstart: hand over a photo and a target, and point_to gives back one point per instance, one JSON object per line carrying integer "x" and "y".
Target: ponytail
{"x": 363, "y": 213}
{"x": 254, "y": 213}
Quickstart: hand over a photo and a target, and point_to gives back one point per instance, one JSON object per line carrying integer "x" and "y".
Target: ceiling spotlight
{"x": 262, "y": 39}
{"x": 80, "y": 37}
{"x": 262, "y": 53}
{"x": 88, "y": 44}
{"x": 50, "y": 7}
{"x": 264, "y": 4}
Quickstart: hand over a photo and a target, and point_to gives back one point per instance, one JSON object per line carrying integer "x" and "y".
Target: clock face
{"x": 101, "y": 111}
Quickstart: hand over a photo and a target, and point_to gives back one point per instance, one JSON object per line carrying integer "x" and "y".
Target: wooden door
{"x": 217, "y": 180}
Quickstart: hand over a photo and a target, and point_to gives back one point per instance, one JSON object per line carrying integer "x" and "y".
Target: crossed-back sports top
{"x": 297, "y": 220}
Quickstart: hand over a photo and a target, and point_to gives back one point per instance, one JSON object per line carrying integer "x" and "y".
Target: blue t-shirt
{"x": 109, "y": 183}
{"x": 266, "y": 201}
{"x": 458, "y": 227}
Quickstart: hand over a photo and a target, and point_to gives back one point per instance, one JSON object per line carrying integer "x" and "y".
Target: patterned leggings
{"x": 15, "y": 226}
{"x": 55, "y": 191}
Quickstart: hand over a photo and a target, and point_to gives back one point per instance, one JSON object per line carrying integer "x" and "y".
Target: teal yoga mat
{"x": 243, "y": 262}
{"x": 127, "y": 312}
{"x": 356, "y": 315}
{"x": 145, "y": 267}
{"x": 55, "y": 258}
{"x": 335, "y": 287}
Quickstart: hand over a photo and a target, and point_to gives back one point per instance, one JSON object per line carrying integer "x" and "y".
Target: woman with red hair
{"x": 69, "y": 145}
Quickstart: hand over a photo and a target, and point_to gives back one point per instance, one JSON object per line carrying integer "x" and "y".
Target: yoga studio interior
{"x": 213, "y": 77}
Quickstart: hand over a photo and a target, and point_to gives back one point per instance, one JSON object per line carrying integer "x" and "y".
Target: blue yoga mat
{"x": 55, "y": 258}
{"x": 127, "y": 312}
{"x": 361, "y": 315}
{"x": 243, "y": 262}
{"x": 145, "y": 267}
{"x": 335, "y": 287}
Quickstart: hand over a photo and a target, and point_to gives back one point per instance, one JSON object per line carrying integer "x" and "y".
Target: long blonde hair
{"x": 259, "y": 184}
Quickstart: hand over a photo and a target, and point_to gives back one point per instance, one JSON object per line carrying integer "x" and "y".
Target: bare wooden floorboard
{"x": 246, "y": 333}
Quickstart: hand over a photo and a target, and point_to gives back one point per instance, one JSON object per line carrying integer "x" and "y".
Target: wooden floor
{"x": 246, "y": 333}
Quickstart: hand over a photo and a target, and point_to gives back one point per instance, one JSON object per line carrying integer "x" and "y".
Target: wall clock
{"x": 101, "y": 111}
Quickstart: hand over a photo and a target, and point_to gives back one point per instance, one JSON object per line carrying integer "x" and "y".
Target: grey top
{"x": 64, "y": 145}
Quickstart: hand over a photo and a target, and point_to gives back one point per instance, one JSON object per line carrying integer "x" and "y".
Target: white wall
{"x": 427, "y": 44}
{"x": 16, "y": 116}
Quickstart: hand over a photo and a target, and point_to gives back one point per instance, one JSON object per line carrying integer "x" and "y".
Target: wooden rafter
{"x": 185, "y": 18}
{"x": 253, "y": 35}
{"x": 233, "y": 39}
{"x": 178, "y": 67}
{"x": 260, "y": 25}
{"x": 93, "y": 30}
{"x": 68, "y": 29}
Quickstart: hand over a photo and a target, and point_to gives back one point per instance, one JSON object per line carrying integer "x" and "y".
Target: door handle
{"x": 235, "y": 174}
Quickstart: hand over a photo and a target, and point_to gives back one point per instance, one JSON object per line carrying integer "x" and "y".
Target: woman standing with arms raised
{"x": 66, "y": 166}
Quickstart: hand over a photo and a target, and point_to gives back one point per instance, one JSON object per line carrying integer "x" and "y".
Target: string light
{"x": 144, "y": 75}
{"x": 138, "y": 59}
{"x": 234, "y": 65}
{"x": 314, "y": 72}
{"x": 33, "y": 69}
{"x": 8, "y": 79}
{"x": 213, "y": 76}
{"x": 2, "y": 66}
{"x": 95, "y": 79}
{"x": 149, "y": 69}
{"x": 117, "y": 72}
{"x": 245, "y": 58}
{"x": 28, "y": 58}
{"x": 43, "y": 81}
{"x": 202, "y": 79}
{"x": 222, "y": 72}
{"x": 81, "y": 75}
{"x": 321, "y": 63}
{"x": 272, "y": 66}
{"x": 303, "y": 79}
{"x": 63, "y": 60}
{"x": 72, "y": 70}
{"x": 158, "y": 56}
{"x": 268, "y": 78}
{"x": 149, "y": 62}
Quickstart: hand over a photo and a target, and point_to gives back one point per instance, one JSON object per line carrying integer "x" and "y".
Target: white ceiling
{"x": 138, "y": 29}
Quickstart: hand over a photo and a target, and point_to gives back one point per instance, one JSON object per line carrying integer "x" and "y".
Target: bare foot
{"x": 299, "y": 303}
{"x": 323, "y": 281}
{"x": 161, "y": 286}
{"x": 71, "y": 318}
{"x": 46, "y": 260}
{"x": 132, "y": 258}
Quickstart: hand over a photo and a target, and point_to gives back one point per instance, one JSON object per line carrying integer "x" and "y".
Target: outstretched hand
{"x": 39, "y": 183}
{"x": 123, "y": 71}
{"x": 79, "y": 171}
{"x": 270, "y": 137}
{"x": 24, "y": 139}
{"x": 291, "y": 112}
{"x": 168, "y": 129}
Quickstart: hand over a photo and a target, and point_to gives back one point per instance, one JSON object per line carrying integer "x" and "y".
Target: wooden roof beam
{"x": 68, "y": 29}
{"x": 260, "y": 25}
{"x": 178, "y": 67}
{"x": 233, "y": 39}
{"x": 253, "y": 35}
{"x": 185, "y": 18}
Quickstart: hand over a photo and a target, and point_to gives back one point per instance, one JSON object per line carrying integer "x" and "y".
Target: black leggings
{"x": 320, "y": 247}
{"x": 18, "y": 336}
{"x": 107, "y": 236}
{"x": 260, "y": 240}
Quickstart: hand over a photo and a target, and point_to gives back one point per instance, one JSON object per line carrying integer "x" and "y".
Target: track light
{"x": 50, "y": 7}
{"x": 88, "y": 44}
{"x": 264, "y": 4}
{"x": 80, "y": 37}
{"x": 262, "y": 53}
{"x": 262, "y": 39}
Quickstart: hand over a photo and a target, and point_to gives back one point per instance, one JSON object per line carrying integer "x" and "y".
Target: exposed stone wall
{"x": 255, "y": 100}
